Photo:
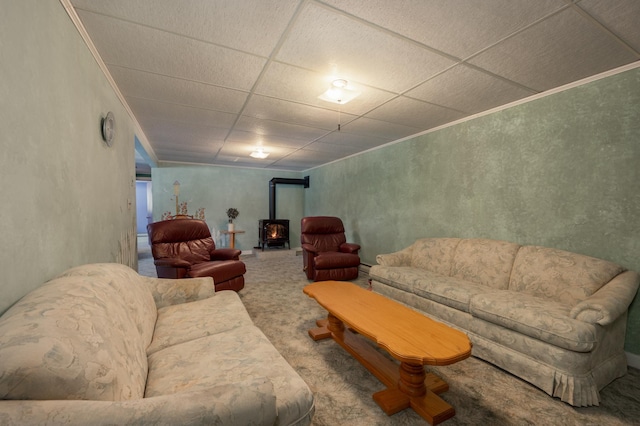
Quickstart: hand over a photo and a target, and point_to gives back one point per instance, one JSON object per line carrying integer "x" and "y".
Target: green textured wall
{"x": 65, "y": 193}
{"x": 218, "y": 188}
{"x": 561, "y": 171}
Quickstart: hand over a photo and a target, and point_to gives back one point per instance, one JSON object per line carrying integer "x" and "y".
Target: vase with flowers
{"x": 232, "y": 213}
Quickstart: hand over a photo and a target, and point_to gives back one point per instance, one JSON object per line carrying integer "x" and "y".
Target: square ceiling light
{"x": 339, "y": 93}
{"x": 259, "y": 153}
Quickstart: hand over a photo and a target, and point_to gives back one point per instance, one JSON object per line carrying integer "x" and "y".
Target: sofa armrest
{"x": 249, "y": 402}
{"x": 349, "y": 248}
{"x": 610, "y": 301}
{"x": 173, "y": 262}
{"x": 168, "y": 291}
{"x": 225, "y": 254}
{"x": 399, "y": 258}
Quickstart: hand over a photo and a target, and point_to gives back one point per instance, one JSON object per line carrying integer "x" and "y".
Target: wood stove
{"x": 273, "y": 233}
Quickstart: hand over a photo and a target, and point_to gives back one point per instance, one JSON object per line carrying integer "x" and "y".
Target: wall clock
{"x": 108, "y": 128}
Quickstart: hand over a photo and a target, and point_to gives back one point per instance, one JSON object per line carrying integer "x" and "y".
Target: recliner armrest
{"x": 349, "y": 248}
{"x": 309, "y": 248}
{"x": 225, "y": 254}
{"x": 172, "y": 262}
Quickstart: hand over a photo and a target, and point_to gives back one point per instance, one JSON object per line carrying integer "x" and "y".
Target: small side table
{"x": 232, "y": 237}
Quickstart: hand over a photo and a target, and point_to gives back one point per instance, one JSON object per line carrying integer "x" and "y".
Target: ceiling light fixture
{"x": 340, "y": 83}
{"x": 339, "y": 93}
{"x": 259, "y": 153}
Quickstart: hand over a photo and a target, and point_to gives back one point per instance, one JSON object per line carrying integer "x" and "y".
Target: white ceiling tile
{"x": 622, "y": 17}
{"x": 466, "y": 89}
{"x": 241, "y": 137}
{"x": 242, "y": 162}
{"x": 378, "y": 128}
{"x": 243, "y": 150}
{"x": 162, "y": 133}
{"x": 413, "y": 113}
{"x": 457, "y": 27}
{"x": 169, "y": 54}
{"x": 307, "y": 158}
{"x": 180, "y": 113}
{"x": 186, "y": 141}
{"x": 192, "y": 149}
{"x": 332, "y": 44}
{"x": 266, "y": 141}
{"x": 340, "y": 150}
{"x": 278, "y": 129}
{"x": 253, "y": 26}
{"x": 184, "y": 155}
{"x": 235, "y": 150}
{"x": 167, "y": 144}
{"x": 144, "y": 85}
{"x": 359, "y": 141}
{"x": 561, "y": 49}
{"x": 294, "y": 113}
{"x": 284, "y": 81}
{"x": 288, "y": 164}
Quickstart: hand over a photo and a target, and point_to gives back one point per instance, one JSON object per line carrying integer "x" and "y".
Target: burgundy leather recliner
{"x": 325, "y": 253}
{"x": 183, "y": 248}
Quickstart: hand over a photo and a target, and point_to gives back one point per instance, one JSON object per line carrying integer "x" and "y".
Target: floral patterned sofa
{"x": 101, "y": 344}
{"x": 553, "y": 318}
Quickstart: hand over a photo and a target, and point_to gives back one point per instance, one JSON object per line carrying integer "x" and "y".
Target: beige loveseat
{"x": 553, "y": 318}
{"x": 103, "y": 345}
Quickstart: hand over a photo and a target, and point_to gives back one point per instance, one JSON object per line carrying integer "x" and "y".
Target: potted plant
{"x": 232, "y": 213}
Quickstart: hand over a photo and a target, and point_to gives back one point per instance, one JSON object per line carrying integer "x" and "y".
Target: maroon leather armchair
{"x": 326, "y": 255}
{"x": 183, "y": 248}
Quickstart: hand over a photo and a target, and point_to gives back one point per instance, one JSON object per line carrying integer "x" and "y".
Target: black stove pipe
{"x": 272, "y": 191}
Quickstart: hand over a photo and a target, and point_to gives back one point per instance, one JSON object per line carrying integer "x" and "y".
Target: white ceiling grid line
{"x": 270, "y": 60}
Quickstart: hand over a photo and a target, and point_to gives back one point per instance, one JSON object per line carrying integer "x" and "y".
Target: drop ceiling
{"x": 210, "y": 81}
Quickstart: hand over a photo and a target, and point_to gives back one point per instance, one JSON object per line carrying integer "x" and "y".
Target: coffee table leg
{"x": 326, "y": 327}
{"x": 410, "y": 384}
{"x": 407, "y": 386}
{"x": 335, "y": 326}
{"x": 417, "y": 390}
{"x": 412, "y": 379}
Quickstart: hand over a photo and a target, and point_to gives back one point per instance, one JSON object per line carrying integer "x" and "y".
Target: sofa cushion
{"x": 536, "y": 317}
{"x": 486, "y": 262}
{"x": 229, "y": 357}
{"x": 434, "y": 254}
{"x": 400, "y": 277}
{"x": 188, "y": 321}
{"x": 72, "y": 338}
{"x": 448, "y": 291}
{"x": 136, "y": 295}
{"x": 558, "y": 275}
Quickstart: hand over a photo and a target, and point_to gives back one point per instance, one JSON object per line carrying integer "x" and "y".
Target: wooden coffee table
{"x": 408, "y": 336}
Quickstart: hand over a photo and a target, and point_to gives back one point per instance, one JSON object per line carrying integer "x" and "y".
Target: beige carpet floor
{"x": 481, "y": 393}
